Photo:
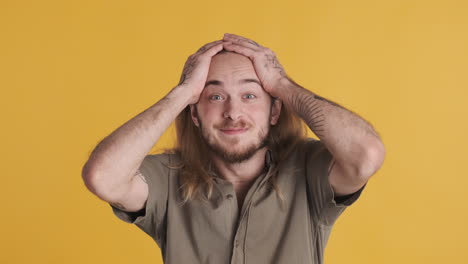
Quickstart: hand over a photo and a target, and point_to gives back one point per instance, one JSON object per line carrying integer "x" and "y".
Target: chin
{"x": 239, "y": 154}
{"x": 234, "y": 148}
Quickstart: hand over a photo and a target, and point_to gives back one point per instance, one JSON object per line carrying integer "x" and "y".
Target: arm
{"x": 356, "y": 148}
{"x": 111, "y": 172}
{"x": 112, "y": 166}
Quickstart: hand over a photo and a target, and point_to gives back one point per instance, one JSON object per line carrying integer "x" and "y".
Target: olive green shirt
{"x": 264, "y": 231}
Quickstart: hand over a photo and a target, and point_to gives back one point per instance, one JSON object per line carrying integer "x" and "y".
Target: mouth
{"x": 233, "y": 131}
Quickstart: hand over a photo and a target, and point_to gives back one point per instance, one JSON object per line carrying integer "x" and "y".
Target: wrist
{"x": 179, "y": 94}
{"x": 285, "y": 88}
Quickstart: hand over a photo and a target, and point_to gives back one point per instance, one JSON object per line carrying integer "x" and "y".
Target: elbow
{"x": 104, "y": 187}
{"x": 373, "y": 161}
{"x": 89, "y": 178}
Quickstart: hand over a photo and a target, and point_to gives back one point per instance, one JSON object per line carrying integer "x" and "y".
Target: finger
{"x": 208, "y": 46}
{"x": 214, "y": 49}
{"x": 243, "y": 50}
{"x": 241, "y": 40}
{"x": 234, "y": 36}
{"x": 245, "y": 42}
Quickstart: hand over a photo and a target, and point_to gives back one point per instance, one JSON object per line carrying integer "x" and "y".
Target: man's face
{"x": 234, "y": 113}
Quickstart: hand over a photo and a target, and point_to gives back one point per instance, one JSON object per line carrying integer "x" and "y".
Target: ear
{"x": 194, "y": 114}
{"x": 275, "y": 111}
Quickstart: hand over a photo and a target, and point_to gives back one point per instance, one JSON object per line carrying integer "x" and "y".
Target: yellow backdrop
{"x": 73, "y": 71}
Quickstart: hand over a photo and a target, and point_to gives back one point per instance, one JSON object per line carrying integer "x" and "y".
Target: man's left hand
{"x": 268, "y": 69}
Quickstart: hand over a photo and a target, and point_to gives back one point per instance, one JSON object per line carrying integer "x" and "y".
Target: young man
{"x": 244, "y": 184}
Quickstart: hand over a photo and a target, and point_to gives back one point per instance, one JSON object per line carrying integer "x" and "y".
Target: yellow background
{"x": 71, "y": 72}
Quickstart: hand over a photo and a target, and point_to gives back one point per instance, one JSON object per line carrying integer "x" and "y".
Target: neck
{"x": 244, "y": 172}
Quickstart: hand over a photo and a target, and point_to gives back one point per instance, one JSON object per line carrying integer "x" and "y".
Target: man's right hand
{"x": 196, "y": 69}
{"x": 127, "y": 146}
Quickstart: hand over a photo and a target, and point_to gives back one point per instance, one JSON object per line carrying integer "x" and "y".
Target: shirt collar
{"x": 269, "y": 159}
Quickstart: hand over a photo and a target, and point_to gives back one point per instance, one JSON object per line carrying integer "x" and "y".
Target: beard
{"x": 230, "y": 155}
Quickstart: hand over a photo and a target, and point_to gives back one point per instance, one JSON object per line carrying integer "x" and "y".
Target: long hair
{"x": 196, "y": 182}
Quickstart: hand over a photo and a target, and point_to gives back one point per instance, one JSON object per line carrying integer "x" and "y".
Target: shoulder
{"x": 308, "y": 155}
{"x": 166, "y": 159}
{"x": 311, "y": 148}
{"x": 158, "y": 166}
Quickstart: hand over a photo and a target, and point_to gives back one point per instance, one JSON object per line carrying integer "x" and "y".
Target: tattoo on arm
{"x": 309, "y": 110}
{"x": 187, "y": 71}
{"x": 371, "y": 128}
{"x": 138, "y": 173}
{"x": 272, "y": 61}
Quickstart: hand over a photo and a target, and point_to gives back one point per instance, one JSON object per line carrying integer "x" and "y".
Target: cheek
{"x": 258, "y": 110}
{"x": 260, "y": 117}
{"x": 211, "y": 114}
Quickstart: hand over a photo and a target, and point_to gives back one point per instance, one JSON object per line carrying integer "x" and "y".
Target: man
{"x": 244, "y": 184}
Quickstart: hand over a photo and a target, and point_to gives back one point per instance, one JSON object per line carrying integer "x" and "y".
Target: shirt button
{"x": 237, "y": 243}
{"x": 229, "y": 196}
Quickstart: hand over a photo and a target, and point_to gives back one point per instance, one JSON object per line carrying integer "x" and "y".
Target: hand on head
{"x": 196, "y": 69}
{"x": 269, "y": 71}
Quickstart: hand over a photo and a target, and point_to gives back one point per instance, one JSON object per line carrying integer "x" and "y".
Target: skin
{"x": 355, "y": 146}
{"x": 229, "y": 103}
{"x": 111, "y": 172}
{"x": 233, "y": 99}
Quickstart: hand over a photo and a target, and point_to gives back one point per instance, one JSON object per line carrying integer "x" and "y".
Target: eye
{"x": 249, "y": 96}
{"x": 215, "y": 97}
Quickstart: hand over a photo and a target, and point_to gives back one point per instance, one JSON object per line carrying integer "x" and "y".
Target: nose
{"x": 233, "y": 110}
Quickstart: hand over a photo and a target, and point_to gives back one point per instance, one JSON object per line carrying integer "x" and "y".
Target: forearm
{"x": 348, "y": 137}
{"x": 117, "y": 157}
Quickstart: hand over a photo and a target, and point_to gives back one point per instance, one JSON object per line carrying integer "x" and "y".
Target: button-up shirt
{"x": 265, "y": 230}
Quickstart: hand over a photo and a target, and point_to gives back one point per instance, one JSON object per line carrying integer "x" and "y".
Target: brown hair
{"x": 196, "y": 182}
{"x": 193, "y": 151}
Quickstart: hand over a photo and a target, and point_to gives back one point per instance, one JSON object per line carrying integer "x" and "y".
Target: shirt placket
{"x": 238, "y": 256}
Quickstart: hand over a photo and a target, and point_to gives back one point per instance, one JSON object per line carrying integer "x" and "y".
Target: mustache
{"x": 233, "y": 125}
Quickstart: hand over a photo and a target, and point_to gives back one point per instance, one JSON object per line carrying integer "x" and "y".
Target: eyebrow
{"x": 243, "y": 81}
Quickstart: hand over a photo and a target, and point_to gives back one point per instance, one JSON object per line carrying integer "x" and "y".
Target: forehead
{"x": 230, "y": 66}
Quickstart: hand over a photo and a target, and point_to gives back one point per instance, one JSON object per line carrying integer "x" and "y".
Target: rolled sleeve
{"x": 151, "y": 219}
{"x": 326, "y": 207}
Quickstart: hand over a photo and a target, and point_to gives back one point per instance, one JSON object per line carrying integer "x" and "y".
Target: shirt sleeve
{"x": 151, "y": 219}
{"x": 325, "y": 206}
